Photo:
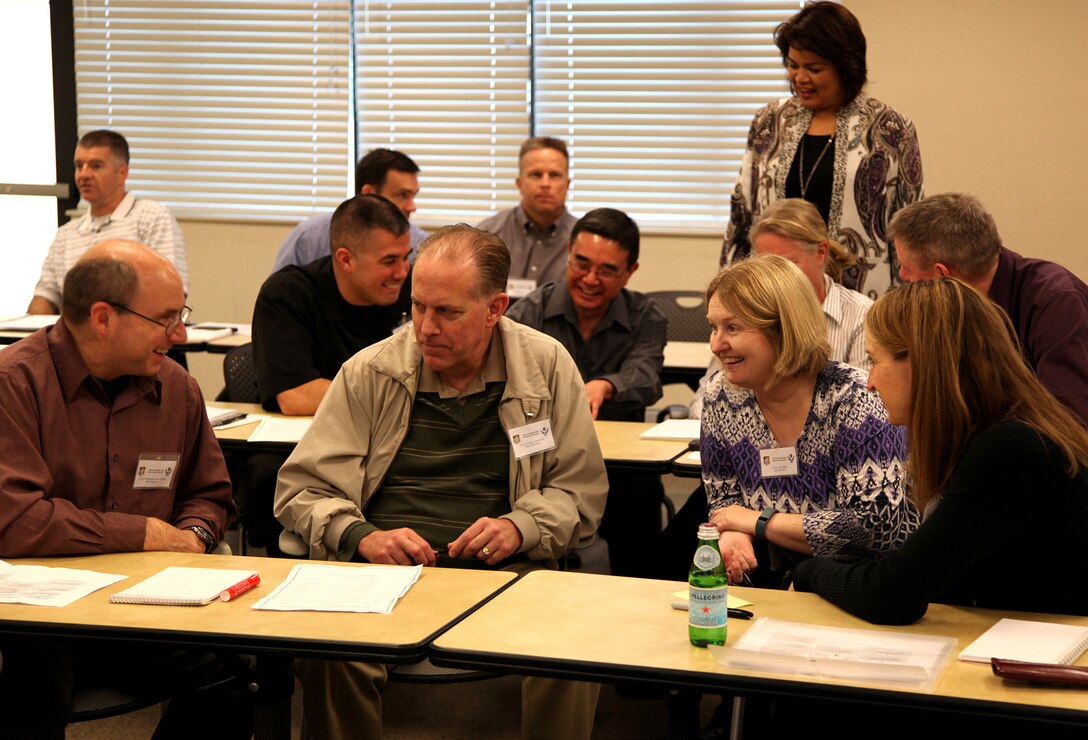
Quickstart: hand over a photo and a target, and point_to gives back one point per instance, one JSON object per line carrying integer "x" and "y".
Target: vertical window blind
{"x": 246, "y": 108}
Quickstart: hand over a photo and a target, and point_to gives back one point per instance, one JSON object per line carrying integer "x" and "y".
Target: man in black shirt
{"x": 310, "y": 319}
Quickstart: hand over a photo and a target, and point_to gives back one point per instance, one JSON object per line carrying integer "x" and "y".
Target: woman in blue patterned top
{"x": 799, "y": 458}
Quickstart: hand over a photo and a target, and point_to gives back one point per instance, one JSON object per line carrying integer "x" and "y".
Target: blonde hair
{"x": 967, "y": 375}
{"x": 800, "y": 222}
{"x": 771, "y": 294}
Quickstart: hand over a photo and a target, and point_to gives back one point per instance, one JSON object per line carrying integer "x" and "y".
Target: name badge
{"x": 156, "y": 470}
{"x": 778, "y": 462}
{"x": 519, "y": 288}
{"x": 532, "y": 438}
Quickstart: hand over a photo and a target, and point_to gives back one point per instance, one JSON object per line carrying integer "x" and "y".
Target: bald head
{"x": 112, "y": 271}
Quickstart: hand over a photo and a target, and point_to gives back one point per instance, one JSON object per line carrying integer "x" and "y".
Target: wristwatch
{"x": 205, "y": 536}
{"x": 761, "y": 523}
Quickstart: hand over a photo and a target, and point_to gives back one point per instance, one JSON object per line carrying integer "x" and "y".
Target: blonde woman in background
{"x": 792, "y": 228}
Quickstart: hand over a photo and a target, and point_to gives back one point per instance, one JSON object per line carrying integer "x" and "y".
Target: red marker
{"x": 240, "y": 588}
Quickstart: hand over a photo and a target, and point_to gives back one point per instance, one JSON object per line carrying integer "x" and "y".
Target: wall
{"x": 996, "y": 92}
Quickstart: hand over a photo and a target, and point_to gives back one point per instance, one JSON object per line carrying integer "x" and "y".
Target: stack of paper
{"x": 332, "y": 588}
{"x": 219, "y": 415}
{"x": 43, "y": 586}
{"x": 837, "y": 652}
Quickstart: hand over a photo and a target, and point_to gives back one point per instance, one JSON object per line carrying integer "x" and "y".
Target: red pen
{"x": 240, "y": 588}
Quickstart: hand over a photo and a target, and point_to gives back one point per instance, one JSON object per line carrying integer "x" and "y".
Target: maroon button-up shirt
{"x": 68, "y": 456}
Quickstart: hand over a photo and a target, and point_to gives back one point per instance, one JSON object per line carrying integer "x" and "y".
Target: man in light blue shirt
{"x": 385, "y": 172}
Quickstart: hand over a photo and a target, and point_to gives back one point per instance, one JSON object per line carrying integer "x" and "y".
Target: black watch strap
{"x": 205, "y": 537}
{"x": 761, "y": 523}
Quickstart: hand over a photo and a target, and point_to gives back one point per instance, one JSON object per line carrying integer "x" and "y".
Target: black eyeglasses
{"x": 169, "y": 326}
{"x": 581, "y": 266}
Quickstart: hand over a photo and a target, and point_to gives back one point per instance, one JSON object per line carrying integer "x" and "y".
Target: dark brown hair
{"x": 832, "y": 32}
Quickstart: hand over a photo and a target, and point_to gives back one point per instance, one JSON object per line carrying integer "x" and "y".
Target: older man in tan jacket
{"x": 520, "y": 480}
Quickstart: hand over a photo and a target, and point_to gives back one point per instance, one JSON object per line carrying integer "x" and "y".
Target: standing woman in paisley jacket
{"x": 853, "y": 157}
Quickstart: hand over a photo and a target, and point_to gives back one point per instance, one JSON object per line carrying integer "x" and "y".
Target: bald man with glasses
{"x": 105, "y": 446}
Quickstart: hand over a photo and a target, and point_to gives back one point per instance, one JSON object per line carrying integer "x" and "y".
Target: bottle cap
{"x": 708, "y": 531}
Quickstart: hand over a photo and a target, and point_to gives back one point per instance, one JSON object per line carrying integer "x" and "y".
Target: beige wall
{"x": 993, "y": 86}
{"x": 997, "y": 93}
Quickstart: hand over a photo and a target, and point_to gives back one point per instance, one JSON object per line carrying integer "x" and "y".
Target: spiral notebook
{"x": 1034, "y": 642}
{"x": 177, "y": 586}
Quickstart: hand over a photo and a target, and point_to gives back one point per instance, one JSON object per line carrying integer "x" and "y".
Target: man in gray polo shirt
{"x": 537, "y": 230}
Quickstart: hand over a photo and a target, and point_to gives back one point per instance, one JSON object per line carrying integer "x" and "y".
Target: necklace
{"x": 801, "y": 179}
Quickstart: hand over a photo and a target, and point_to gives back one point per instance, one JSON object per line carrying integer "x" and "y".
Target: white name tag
{"x": 778, "y": 462}
{"x": 532, "y": 438}
{"x": 519, "y": 288}
{"x": 156, "y": 470}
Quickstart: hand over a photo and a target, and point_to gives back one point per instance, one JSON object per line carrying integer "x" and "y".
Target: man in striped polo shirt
{"x": 101, "y": 164}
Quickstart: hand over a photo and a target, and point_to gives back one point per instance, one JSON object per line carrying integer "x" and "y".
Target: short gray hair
{"x": 954, "y": 229}
{"x": 486, "y": 250}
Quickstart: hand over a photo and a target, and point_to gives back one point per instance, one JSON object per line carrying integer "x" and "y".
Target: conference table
{"x": 438, "y": 599}
{"x": 620, "y": 441}
{"x": 586, "y": 626}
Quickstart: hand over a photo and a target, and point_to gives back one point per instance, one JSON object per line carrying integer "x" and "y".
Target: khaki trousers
{"x": 343, "y": 699}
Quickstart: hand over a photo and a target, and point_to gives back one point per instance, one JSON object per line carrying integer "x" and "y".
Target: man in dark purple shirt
{"x": 953, "y": 234}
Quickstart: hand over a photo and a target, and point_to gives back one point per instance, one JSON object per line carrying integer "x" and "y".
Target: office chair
{"x": 685, "y": 312}
{"x": 240, "y": 375}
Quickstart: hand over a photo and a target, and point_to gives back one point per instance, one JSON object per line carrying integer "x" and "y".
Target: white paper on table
{"x": 30, "y": 322}
{"x": 244, "y": 330}
{"x": 194, "y": 335}
{"x": 39, "y": 585}
{"x": 678, "y": 429}
{"x": 331, "y": 588}
{"x": 838, "y": 652}
{"x": 279, "y": 430}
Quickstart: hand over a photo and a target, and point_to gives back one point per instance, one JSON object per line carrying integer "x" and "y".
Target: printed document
{"x": 333, "y": 588}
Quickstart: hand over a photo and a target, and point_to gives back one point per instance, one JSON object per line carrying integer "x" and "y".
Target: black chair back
{"x": 686, "y": 314}
{"x": 241, "y": 375}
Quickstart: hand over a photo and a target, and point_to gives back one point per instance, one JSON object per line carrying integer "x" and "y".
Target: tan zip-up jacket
{"x": 557, "y": 497}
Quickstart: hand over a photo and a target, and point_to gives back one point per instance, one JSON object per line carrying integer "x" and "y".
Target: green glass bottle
{"x": 707, "y": 589}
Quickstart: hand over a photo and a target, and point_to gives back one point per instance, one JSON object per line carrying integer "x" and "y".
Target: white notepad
{"x": 1034, "y": 642}
{"x": 177, "y": 586}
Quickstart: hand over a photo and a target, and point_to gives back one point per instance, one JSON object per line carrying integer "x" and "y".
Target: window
{"x": 244, "y": 109}
{"x": 232, "y": 108}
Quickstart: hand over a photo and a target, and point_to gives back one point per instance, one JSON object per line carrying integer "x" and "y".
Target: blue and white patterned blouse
{"x": 849, "y": 488}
